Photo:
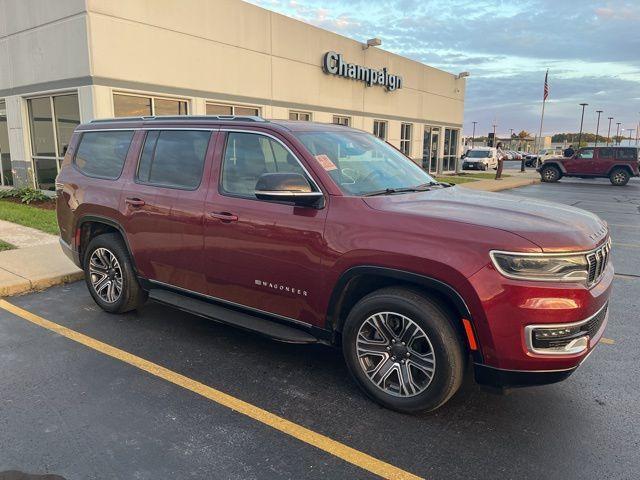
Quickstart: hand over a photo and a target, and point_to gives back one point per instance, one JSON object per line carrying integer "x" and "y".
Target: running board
{"x": 228, "y": 316}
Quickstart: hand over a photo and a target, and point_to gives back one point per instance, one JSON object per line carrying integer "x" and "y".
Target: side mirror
{"x": 287, "y": 187}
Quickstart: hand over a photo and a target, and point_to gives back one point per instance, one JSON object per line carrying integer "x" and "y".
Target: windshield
{"x": 361, "y": 164}
{"x": 478, "y": 154}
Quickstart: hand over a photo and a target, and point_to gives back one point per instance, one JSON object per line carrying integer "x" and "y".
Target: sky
{"x": 591, "y": 48}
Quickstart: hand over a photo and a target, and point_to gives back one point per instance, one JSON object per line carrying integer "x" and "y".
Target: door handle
{"x": 134, "y": 202}
{"x": 224, "y": 216}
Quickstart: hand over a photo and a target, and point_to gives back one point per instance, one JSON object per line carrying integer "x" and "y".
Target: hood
{"x": 553, "y": 227}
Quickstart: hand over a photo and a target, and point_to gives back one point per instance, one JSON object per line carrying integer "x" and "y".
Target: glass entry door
{"x": 430, "y": 149}
{"x": 450, "y": 150}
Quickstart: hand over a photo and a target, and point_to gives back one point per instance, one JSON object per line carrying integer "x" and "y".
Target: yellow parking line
{"x": 340, "y": 450}
{"x": 607, "y": 341}
{"x": 630, "y": 245}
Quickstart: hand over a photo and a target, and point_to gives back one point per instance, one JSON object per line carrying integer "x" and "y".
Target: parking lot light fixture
{"x": 609, "y": 131}
{"x": 618, "y": 133}
{"x": 581, "y": 123}
{"x": 473, "y": 135}
{"x": 599, "y": 112}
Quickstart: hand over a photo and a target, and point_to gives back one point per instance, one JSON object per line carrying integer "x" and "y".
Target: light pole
{"x": 581, "y": 122}
{"x": 597, "y": 126}
{"x": 618, "y": 133}
{"x": 511, "y": 139}
{"x": 630, "y": 130}
{"x": 609, "y": 131}
{"x": 494, "y": 136}
{"x": 473, "y": 135}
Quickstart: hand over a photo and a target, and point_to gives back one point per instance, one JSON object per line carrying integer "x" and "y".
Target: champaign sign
{"x": 333, "y": 64}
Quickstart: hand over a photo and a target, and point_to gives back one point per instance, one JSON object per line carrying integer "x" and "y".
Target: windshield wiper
{"x": 390, "y": 191}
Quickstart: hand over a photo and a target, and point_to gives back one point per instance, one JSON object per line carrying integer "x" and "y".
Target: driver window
{"x": 585, "y": 153}
{"x": 249, "y": 155}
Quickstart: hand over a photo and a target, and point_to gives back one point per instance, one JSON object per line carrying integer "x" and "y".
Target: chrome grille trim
{"x": 597, "y": 261}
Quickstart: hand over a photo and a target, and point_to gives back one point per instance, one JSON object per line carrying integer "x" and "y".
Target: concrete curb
{"x": 35, "y": 268}
{"x": 22, "y": 285}
{"x": 500, "y": 185}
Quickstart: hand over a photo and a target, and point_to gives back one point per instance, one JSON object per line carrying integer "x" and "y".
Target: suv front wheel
{"x": 550, "y": 174}
{"x": 110, "y": 276}
{"x": 403, "y": 350}
{"x": 619, "y": 176}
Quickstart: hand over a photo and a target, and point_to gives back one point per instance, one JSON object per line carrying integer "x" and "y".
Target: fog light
{"x": 559, "y": 340}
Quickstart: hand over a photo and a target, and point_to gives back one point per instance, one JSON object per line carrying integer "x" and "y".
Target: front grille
{"x": 594, "y": 324}
{"x": 597, "y": 262}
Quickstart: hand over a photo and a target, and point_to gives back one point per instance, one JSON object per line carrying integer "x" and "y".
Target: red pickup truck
{"x": 618, "y": 164}
{"x": 312, "y": 233}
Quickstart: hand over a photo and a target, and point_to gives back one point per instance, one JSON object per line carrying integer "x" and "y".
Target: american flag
{"x": 546, "y": 85}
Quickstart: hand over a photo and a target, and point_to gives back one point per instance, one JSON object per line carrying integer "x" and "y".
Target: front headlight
{"x": 544, "y": 267}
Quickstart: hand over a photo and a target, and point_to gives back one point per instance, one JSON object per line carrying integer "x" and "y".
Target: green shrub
{"x": 26, "y": 195}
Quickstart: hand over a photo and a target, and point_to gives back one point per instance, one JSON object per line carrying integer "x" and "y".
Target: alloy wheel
{"x": 395, "y": 354}
{"x": 619, "y": 177}
{"x": 549, "y": 174}
{"x": 106, "y": 275}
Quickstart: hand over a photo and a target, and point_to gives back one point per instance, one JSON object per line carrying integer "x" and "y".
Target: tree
{"x": 523, "y": 134}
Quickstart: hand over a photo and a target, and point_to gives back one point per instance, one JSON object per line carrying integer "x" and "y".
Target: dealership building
{"x": 71, "y": 61}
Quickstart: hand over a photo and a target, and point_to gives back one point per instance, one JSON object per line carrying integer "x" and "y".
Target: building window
{"x": 305, "y": 116}
{"x": 380, "y": 129}
{"x": 405, "y": 138}
{"x": 6, "y": 175}
{"x": 450, "y": 150}
{"x": 340, "y": 120}
{"x": 242, "y": 110}
{"x": 52, "y": 120}
{"x": 125, "y": 105}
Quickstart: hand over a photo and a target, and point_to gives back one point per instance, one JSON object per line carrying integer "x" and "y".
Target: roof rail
{"x": 235, "y": 118}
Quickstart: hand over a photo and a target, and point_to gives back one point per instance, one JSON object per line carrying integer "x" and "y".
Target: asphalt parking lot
{"x": 68, "y": 409}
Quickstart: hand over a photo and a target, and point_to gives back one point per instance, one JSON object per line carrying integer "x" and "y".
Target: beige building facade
{"x": 71, "y": 61}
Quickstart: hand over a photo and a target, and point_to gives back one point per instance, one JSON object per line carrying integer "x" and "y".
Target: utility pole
{"x": 511, "y": 139}
{"x": 609, "y": 131}
{"x": 473, "y": 135}
{"x": 581, "y": 122}
{"x": 630, "y": 130}
{"x": 597, "y": 126}
{"x": 494, "y": 136}
{"x": 618, "y": 133}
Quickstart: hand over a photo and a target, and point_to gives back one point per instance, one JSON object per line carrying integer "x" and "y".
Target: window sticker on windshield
{"x": 326, "y": 162}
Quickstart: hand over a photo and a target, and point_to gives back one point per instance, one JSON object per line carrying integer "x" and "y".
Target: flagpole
{"x": 544, "y": 101}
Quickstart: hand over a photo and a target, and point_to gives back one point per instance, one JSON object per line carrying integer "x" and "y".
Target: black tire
{"x": 550, "y": 174}
{"x": 619, "y": 177}
{"x": 131, "y": 295}
{"x": 437, "y": 325}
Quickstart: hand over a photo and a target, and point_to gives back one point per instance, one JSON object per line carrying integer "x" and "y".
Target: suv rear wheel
{"x": 550, "y": 174}
{"x": 110, "y": 276}
{"x": 403, "y": 350}
{"x": 619, "y": 176}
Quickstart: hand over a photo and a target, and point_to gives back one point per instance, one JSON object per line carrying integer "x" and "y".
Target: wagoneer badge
{"x": 280, "y": 287}
{"x": 598, "y": 234}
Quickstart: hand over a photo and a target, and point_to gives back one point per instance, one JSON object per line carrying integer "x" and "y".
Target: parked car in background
{"x": 480, "y": 158}
{"x": 531, "y": 160}
{"x": 317, "y": 233}
{"x": 618, "y": 164}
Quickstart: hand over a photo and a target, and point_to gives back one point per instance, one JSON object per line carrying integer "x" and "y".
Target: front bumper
{"x": 501, "y": 378}
{"x": 511, "y": 312}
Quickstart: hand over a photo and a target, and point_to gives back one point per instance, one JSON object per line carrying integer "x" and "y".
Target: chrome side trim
{"x": 528, "y": 334}
{"x": 234, "y": 304}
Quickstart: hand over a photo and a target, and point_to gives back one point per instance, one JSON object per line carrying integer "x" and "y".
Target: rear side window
{"x": 605, "y": 153}
{"x": 173, "y": 158}
{"x": 627, "y": 154}
{"x": 102, "y": 154}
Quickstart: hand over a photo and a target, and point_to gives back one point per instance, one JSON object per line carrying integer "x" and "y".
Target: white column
{"x": 18, "y": 126}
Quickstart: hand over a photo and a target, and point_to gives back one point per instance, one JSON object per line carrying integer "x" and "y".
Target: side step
{"x": 246, "y": 321}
